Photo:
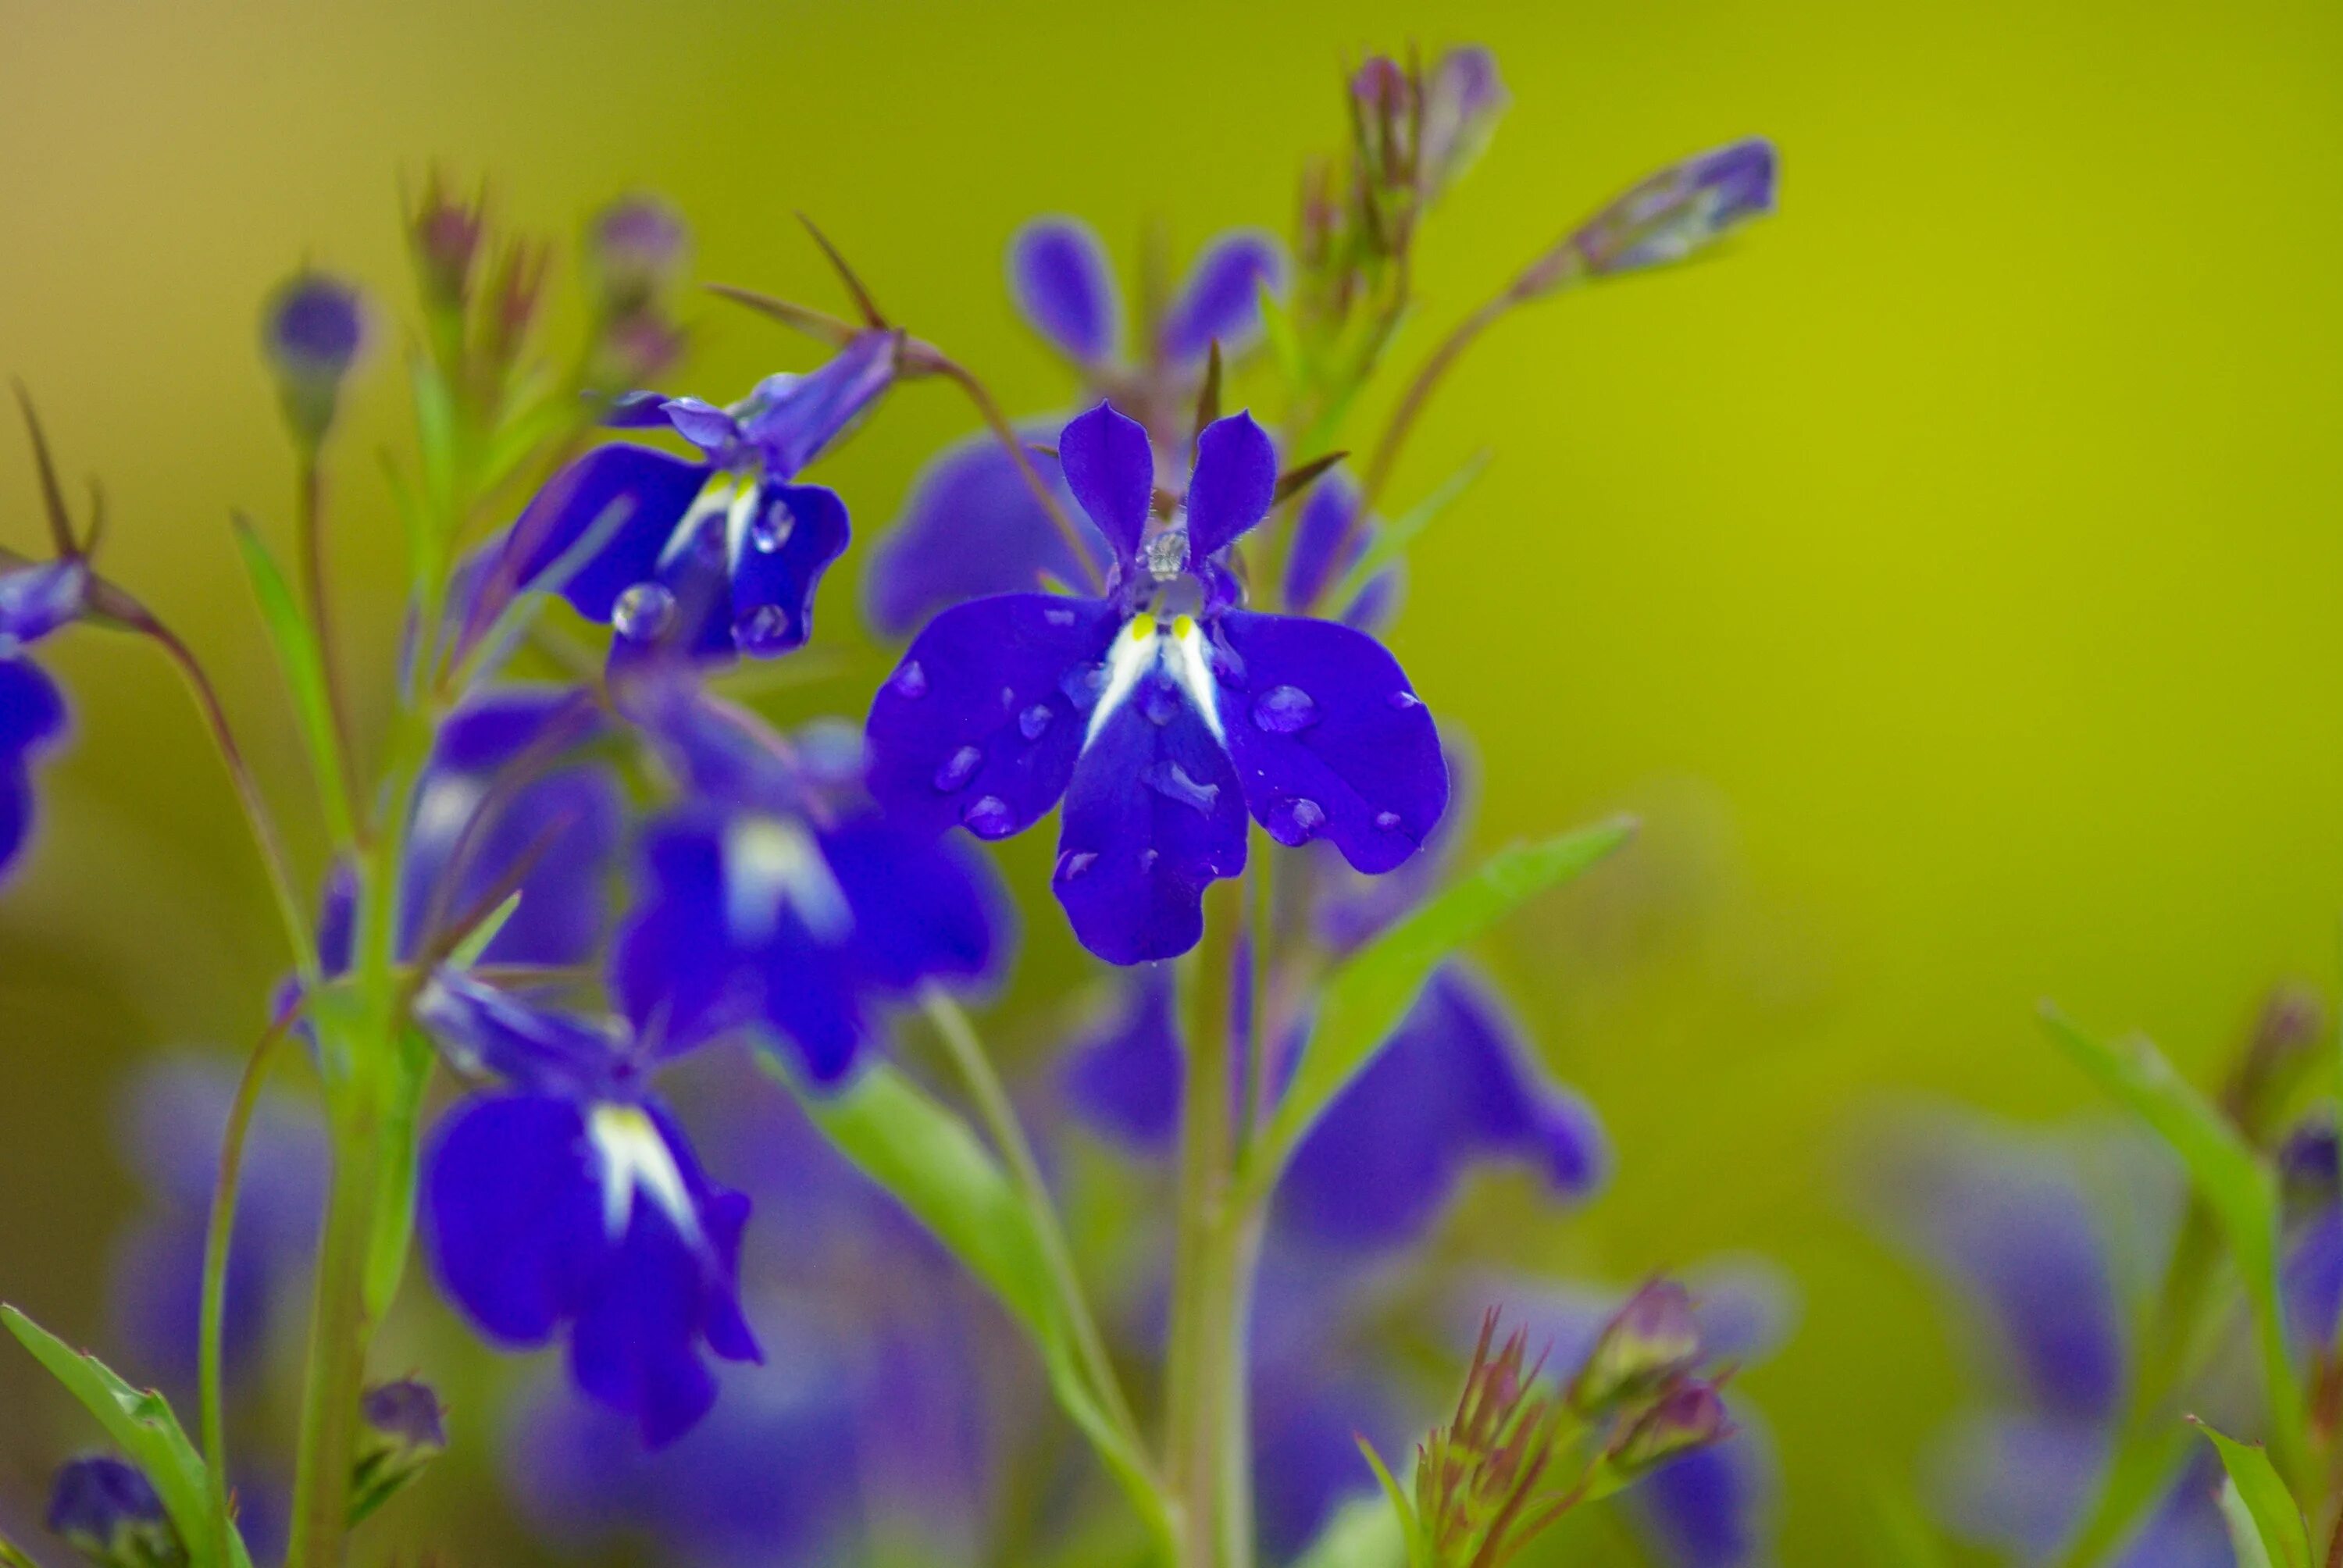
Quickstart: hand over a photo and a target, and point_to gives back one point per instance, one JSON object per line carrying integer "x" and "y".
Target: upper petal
{"x": 971, "y": 528}
{"x": 512, "y": 1213}
{"x": 32, "y": 707}
{"x": 982, "y": 720}
{"x": 532, "y": 1046}
{"x": 1220, "y": 302}
{"x": 795, "y": 534}
{"x": 1153, "y": 815}
{"x": 644, "y": 494}
{"x": 1329, "y": 738}
{"x": 1110, "y": 468}
{"x": 792, "y": 419}
{"x": 1234, "y": 479}
{"x": 1059, "y": 276}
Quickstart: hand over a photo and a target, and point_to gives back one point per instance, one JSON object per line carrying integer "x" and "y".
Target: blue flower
{"x": 1159, "y": 712}
{"x": 1680, "y": 210}
{"x": 703, "y": 560}
{"x": 35, "y": 601}
{"x": 571, "y": 1201}
{"x": 107, "y": 1511}
{"x": 1062, "y": 281}
{"x": 779, "y": 900}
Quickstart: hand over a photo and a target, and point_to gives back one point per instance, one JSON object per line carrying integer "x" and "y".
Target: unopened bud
{"x": 36, "y": 601}
{"x": 1651, "y": 1339}
{"x": 636, "y": 249}
{"x": 513, "y": 294}
{"x": 1462, "y": 97}
{"x": 107, "y": 1511}
{"x": 444, "y": 235}
{"x": 1679, "y": 211}
{"x": 312, "y": 330}
{"x": 1690, "y": 1414}
{"x": 404, "y": 1430}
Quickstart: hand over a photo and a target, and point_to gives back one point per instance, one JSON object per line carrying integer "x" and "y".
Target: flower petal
{"x": 654, "y": 489}
{"x": 971, "y": 528}
{"x": 675, "y": 971}
{"x": 1329, "y": 740}
{"x": 1125, "y": 1080}
{"x": 533, "y": 1047}
{"x": 1708, "y": 1508}
{"x": 1153, "y": 814}
{"x": 982, "y": 720}
{"x": 513, "y": 1213}
{"x": 1234, "y": 481}
{"x": 1110, "y": 468}
{"x": 797, "y": 531}
{"x": 1220, "y": 302}
{"x": 924, "y": 909}
{"x": 1064, "y": 286}
{"x": 793, "y": 419}
{"x": 32, "y": 707}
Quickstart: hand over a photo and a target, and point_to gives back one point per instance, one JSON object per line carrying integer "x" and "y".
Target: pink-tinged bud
{"x": 1689, "y": 1415}
{"x": 636, "y": 249}
{"x": 1386, "y": 108}
{"x": 444, "y": 233}
{"x": 1680, "y": 210}
{"x": 1651, "y": 1339}
{"x": 514, "y": 291}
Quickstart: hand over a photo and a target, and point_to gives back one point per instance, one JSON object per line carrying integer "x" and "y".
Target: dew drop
{"x": 1082, "y": 685}
{"x": 911, "y": 680}
{"x": 1160, "y": 702}
{"x": 773, "y": 527}
{"x": 1172, "y": 781}
{"x": 1147, "y": 858}
{"x": 643, "y": 612}
{"x": 1403, "y": 700}
{"x": 1059, "y": 617}
{"x": 1295, "y": 821}
{"x": 1076, "y": 863}
{"x": 763, "y": 630}
{"x": 1008, "y": 697}
{"x": 959, "y": 768}
{"x": 1387, "y": 821}
{"x": 1033, "y": 720}
{"x": 1284, "y": 709}
{"x": 989, "y": 818}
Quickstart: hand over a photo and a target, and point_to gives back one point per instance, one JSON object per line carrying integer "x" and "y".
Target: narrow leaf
{"x": 1391, "y": 541}
{"x": 1294, "y": 481}
{"x": 2244, "y": 1534}
{"x": 818, "y": 325}
{"x": 1365, "y": 999}
{"x": 141, "y": 1424}
{"x": 303, "y": 665}
{"x": 1402, "y": 1509}
{"x": 871, "y": 314}
{"x": 2222, "y": 1169}
{"x": 2270, "y": 1508}
{"x": 1362, "y": 1534}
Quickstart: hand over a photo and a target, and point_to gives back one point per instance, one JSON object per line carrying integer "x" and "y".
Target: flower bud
{"x": 107, "y": 1511}
{"x": 1690, "y": 1414}
{"x": 1680, "y": 210}
{"x": 36, "y": 601}
{"x": 514, "y": 291}
{"x": 403, "y": 1429}
{"x": 444, "y": 235}
{"x": 1461, "y": 100}
{"x": 636, "y": 249}
{"x": 312, "y": 330}
{"x": 1651, "y": 1339}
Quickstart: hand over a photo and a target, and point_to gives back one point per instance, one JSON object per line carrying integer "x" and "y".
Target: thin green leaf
{"x": 141, "y": 1424}
{"x": 393, "y": 1236}
{"x": 2271, "y": 1507}
{"x": 434, "y": 436}
{"x": 14, "y": 1556}
{"x": 2244, "y": 1534}
{"x": 303, "y": 664}
{"x": 1402, "y": 1508}
{"x": 2241, "y": 1193}
{"x": 1391, "y": 541}
{"x": 476, "y": 942}
{"x": 924, "y": 1153}
{"x": 1364, "y": 999}
{"x": 1362, "y": 1534}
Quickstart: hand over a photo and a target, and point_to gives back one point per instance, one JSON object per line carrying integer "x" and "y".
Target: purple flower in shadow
{"x": 35, "y": 601}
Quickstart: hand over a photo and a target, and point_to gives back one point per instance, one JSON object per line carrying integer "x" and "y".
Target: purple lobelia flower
{"x": 570, "y": 1201}
{"x": 1161, "y": 712}
{"x": 776, "y": 901}
{"x": 35, "y": 601}
{"x": 107, "y": 1510}
{"x": 1063, "y": 283}
{"x": 710, "y": 559}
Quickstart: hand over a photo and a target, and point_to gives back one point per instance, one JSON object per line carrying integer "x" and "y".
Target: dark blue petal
{"x": 812, "y": 1006}
{"x": 1705, "y": 1509}
{"x": 1329, "y": 739}
{"x": 792, "y": 419}
{"x": 1220, "y": 302}
{"x": 2313, "y": 1283}
{"x": 797, "y": 531}
{"x": 705, "y": 425}
{"x": 1305, "y": 1433}
{"x": 1110, "y": 468}
{"x": 678, "y": 974}
{"x": 721, "y": 752}
{"x": 982, "y": 720}
{"x": 1064, "y": 286}
{"x": 31, "y": 708}
{"x": 1125, "y": 1080}
{"x": 534, "y": 1047}
{"x": 513, "y": 1213}
{"x": 1230, "y": 490}
{"x": 924, "y": 909}
{"x": 680, "y": 616}
{"x": 1325, "y": 543}
{"x": 1153, "y": 815}
{"x": 644, "y": 493}
{"x": 500, "y": 725}
{"x": 36, "y": 601}
{"x": 970, "y": 529}
{"x": 637, "y": 411}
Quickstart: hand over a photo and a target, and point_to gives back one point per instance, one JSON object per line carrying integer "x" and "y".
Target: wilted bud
{"x": 444, "y": 233}
{"x": 404, "y": 1430}
{"x": 1387, "y": 104}
{"x": 1462, "y": 97}
{"x": 1651, "y": 1339}
{"x": 636, "y": 249}
{"x": 1690, "y": 1414}
{"x": 1680, "y": 210}
{"x": 311, "y": 332}
{"x": 513, "y": 294}
{"x": 107, "y": 1511}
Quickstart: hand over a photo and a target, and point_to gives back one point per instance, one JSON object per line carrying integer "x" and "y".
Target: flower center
{"x": 635, "y": 1159}
{"x": 769, "y": 863}
{"x": 1152, "y": 657}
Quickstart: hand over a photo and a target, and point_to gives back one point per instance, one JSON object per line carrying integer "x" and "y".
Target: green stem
{"x": 214, "y": 1310}
{"x": 339, "y": 1336}
{"x": 999, "y": 1116}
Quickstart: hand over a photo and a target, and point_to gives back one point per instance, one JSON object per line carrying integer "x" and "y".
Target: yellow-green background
{"x": 1950, "y": 574}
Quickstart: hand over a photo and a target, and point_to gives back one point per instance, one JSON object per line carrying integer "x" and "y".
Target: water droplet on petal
{"x": 1296, "y": 821}
{"x": 1076, "y": 863}
{"x": 1403, "y": 700}
{"x": 773, "y": 527}
{"x": 1172, "y": 781}
{"x": 763, "y": 630}
{"x": 1033, "y": 720}
{"x": 1082, "y": 685}
{"x": 1387, "y": 821}
{"x": 643, "y": 612}
{"x": 1008, "y": 697}
{"x": 1284, "y": 710}
{"x": 911, "y": 680}
{"x": 1147, "y": 858}
{"x": 1160, "y": 702}
{"x": 989, "y": 818}
{"x": 959, "y": 768}
{"x": 1059, "y": 617}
